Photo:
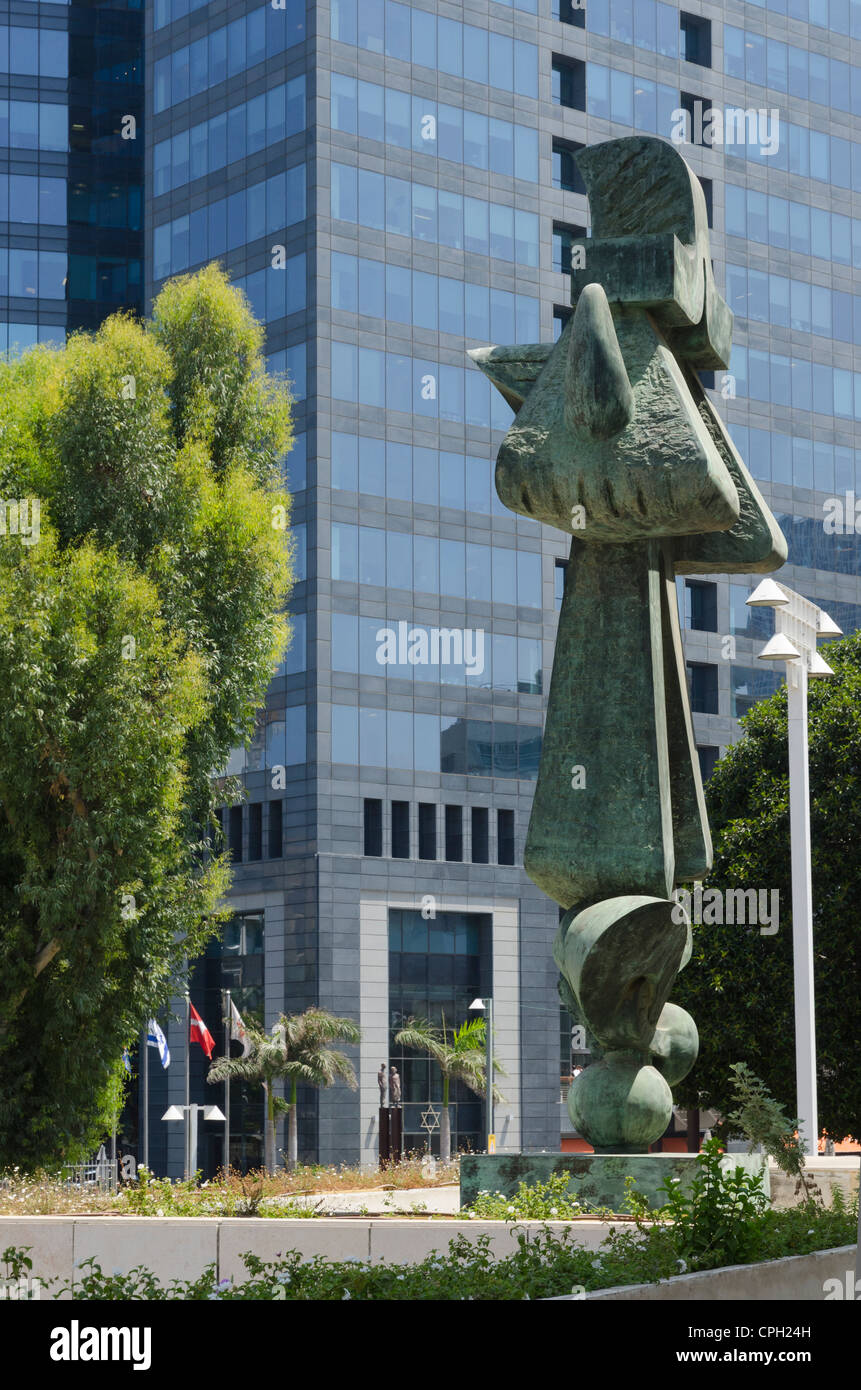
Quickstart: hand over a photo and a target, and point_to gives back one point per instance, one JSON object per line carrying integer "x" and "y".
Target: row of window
{"x": 260, "y": 209}
{"x": 747, "y": 685}
{"x": 434, "y": 743}
{"x": 32, "y": 198}
{"x": 812, "y": 547}
{"x": 292, "y": 363}
{"x": 701, "y": 611}
{"x": 429, "y": 127}
{"x": 780, "y": 458}
{"x": 18, "y": 337}
{"x": 278, "y": 741}
{"x": 244, "y": 829}
{"x": 243, "y": 130}
{"x": 36, "y": 52}
{"x": 402, "y": 650}
{"x": 401, "y": 560}
{"x": 276, "y": 292}
{"x": 227, "y": 51}
{"x": 166, "y": 11}
{"x": 115, "y": 280}
{"x": 840, "y": 16}
{"x": 397, "y": 206}
{"x": 33, "y": 274}
{"x": 770, "y": 376}
{"x": 34, "y": 125}
{"x": 416, "y": 386}
{"x": 796, "y": 304}
{"x": 632, "y": 101}
{"x": 436, "y": 477}
{"x": 431, "y": 41}
{"x": 782, "y": 223}
{"x": 438, "y": 303}
{"x": 400, "y": 839}
{"x": 103, "y": 204}
{"x": 798, "y": 71}
{"x": 650, "y": 25}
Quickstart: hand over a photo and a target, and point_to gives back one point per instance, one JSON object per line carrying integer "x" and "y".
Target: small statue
{"x": 381, "y": 1082}
{"x": 394, "y": 1087}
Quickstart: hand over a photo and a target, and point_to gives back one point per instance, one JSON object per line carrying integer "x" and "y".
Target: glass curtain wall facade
{"x": 393, "y": 184}
{"x": 71, "y": 167}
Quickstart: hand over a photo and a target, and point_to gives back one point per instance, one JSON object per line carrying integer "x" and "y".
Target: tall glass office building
{"x": 71, "y": 167}
{"x": 393, "y": 184}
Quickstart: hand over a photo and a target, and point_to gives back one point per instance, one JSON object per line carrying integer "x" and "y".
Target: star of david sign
{"x": 430, "y": 1119}
{"x": 615, "y": 441}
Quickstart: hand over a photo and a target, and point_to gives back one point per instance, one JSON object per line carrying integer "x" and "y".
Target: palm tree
{"x": 296, "y": 1049}
{"x": 459, "y": 1055}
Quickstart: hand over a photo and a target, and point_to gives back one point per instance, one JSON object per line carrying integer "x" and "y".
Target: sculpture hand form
{"x": 615, "y": 441}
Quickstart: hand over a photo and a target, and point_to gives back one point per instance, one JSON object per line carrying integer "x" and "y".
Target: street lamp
{"x": 798, "y": 626}
{"x": 178, "y": 1112}
{"x": 486, "y": 1006}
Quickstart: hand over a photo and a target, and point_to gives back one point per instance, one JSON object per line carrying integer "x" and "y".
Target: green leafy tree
{"x": 141, "y": 619}
{"x": 460, "y": 1055}
{"x": 297, "y": 1050}
{"x": 739, "y": 982}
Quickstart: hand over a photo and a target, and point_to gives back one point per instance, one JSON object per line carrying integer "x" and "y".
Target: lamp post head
{"x": 477, "y": 1004}
{"x": 173, "y": 1112}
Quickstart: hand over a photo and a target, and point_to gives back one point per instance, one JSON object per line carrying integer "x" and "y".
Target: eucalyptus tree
{"x": 145, "y": 561}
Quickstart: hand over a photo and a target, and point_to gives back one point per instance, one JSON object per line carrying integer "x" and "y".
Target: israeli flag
{"x": 156, "y": 1038}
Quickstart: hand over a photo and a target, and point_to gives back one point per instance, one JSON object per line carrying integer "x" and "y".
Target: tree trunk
{"x": 269, "y": 1143}
{"x": 292, "y": 1130}
{"x": 445, "y": 1135}
{"x": 445, "y": 1123}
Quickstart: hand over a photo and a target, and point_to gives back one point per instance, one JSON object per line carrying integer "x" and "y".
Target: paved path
{"x": 376, "y": 1201}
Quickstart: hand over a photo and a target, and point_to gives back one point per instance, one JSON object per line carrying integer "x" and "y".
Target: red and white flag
{"x": 237, "y": 1030}
{"x": 199, "y": 1033}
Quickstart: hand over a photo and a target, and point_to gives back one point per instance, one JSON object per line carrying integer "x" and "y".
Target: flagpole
{"x": 145, "y": 1116}
{"x": 187, "y": 1086}
{"x": 227, "y": 1022}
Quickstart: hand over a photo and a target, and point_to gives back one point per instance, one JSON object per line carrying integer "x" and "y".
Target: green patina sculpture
{"x": 615, "y": 441}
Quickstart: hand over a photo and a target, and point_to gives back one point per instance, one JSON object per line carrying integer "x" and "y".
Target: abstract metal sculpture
{"x": 615, "y": 441}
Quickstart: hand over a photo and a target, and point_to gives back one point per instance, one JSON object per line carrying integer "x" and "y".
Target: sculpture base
{"x": 597, "y": 1179}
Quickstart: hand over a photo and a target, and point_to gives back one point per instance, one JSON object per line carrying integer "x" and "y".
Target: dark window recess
{"x": 696, "y": 34}
{"x": 234, "y": 834}
{"x": 704, "y": 687}
{"x": 566, "y": 175}
{"x": 698, "y": 123}
{"x": 480, "y": 835}
{"x": 708, "y": 756}
{"x": 561, "y": 315}
{"x": 400, "y": 830}
{"x": 454, "y": 833}
{"x": 559, "y": 581}
{"x": 505, "y": 837}
{"x": 708, "y": 190}
{"x": 570, "y": 12}
{"x": 427, "y": 830}
{"x": 276, "y": 830}
{"x": 700, "y": 606}
{"x": 255, "y": 830}
{"x": 373, "y": 826}
{"x": 707, "y": 380}
{"x": 564, "y": 235}
{"x": 569, "y": 82}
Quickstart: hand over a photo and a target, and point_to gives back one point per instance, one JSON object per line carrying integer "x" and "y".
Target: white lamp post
{"x": 798, "y": 625}
{"x": 486, "y": 1007}
{"x": 178, "y": 1112}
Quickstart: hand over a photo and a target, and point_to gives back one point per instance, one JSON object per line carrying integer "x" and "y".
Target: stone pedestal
{"x": 597, "y": 1179}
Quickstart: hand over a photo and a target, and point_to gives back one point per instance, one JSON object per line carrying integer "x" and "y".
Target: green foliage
{"x": 715, "y": 1221}
{"x": 139, "y": 634}
{"x": 739, "y": 984}
{"x": 541, "y": 1201}
{"x": 763, "y": 1121}
{"x": 458, "y": 1052}
{"x": 547, "y": 1264}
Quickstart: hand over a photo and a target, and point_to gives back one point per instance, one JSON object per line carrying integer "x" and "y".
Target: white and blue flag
{"x": 156, "y": 1038}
